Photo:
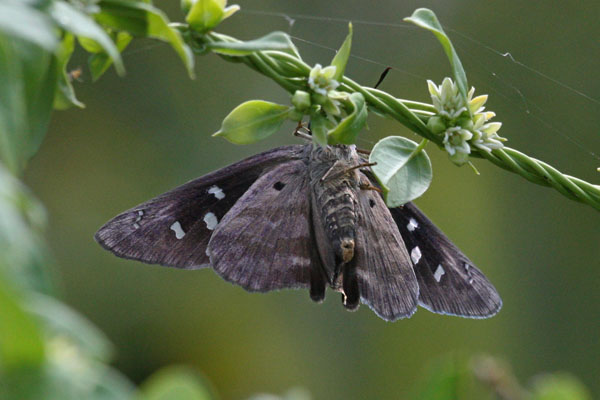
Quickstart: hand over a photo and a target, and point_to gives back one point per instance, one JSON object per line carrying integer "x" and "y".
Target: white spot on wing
{"x": 469, "y": 273}
{"x": 138, "y": 219}
{"x": 211, "y": 221}
{"x": 412, "y": 225}
{"x": 439, "y": 272}
{"x": 217, "y": 191}
{"x": 206, "y": 252}
{"x": 300, "y": 261}
{"x": 415, "y": 255}
{"x": 176, "y": 227}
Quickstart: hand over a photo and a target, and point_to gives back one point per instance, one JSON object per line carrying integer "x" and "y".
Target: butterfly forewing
{"x": 386, "y": 278}
{"x": 265, "y": 242}
{"x": 174, "y": 228}
{"x": 449, "y": 283}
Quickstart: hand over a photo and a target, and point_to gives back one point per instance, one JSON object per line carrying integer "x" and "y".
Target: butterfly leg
{"x": 351, "y": 293}
{"x": 368, "y": 186}
{"x": 329, "y": 175}
{"x": 317, "y": 285}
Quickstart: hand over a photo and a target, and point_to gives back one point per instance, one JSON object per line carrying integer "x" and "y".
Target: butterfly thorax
{"x": 334, "y": 184}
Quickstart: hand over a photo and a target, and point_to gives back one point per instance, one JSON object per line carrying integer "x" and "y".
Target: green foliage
{"x": 176, "y": 383}
{"x": 28, "y": 80}
{"x": 403, "y": 169}
{"x": 21, "y": 343}
{"x": 558, "y": 387}
{"x": 204, "y": 15}
{"x": 426, "y": 19}
{"x": 341, "y": 57}
{"x": 78, "y": 23}
{"x": 346, "y": 131}
{"x": 100, "y": 61}
{"x": 144, "y": 20}
{"x": 272, "y": 41}
{"x": 253, "y": 121}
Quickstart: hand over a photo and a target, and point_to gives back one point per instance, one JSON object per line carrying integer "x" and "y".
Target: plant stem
{"x": 290, "y": 71}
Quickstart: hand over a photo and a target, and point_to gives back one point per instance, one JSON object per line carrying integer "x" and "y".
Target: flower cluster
{"x": 322, "y": 84}
{"x": 462, "y": 125}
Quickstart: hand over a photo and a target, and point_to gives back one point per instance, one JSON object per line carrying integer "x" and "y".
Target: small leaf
{"x": 74, "y": 21}
{"x": 403, "y": 169}
{"x": 319, "y": 126}
{"x": 176, "y": 383}
{"x": 100, "y": 62}
{"x": 559, "y": 387}
{"x": 205, "y": 15}
{"x": 253, "y": 121}
{"x": 341, "y": 57}
{"x": 21, "y": 342}
{"x": 143, "y": 19}
{"x": 273, "y": 41}
{"x": 65, "y": 94}
{"x": 425, "y": 18}
{"x": 349, "y": 127}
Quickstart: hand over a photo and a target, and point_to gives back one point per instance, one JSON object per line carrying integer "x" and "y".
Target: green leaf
{"x": 253, "y": 121}
{"x": 446, "y": 378}
{"x": 59, "y": 319}
{"x": 23, "y": 259}
{"x": 176, "y": 383}
{"x": 559, "y": 387}
{"x": 319, "y": 126}
{"x": 22, "y": 21}
{"x": 341, "y": 57}
{"x": 143, "y": 19}
{"x": 74, "y": 21}
{"x": 349, "y": 127}
{"x": 273, "y": 41}
{"x": 403, "y": 169}
{"x": 425, "y": 18}
{"x": 28, "y": 77}
{"x": 100, "y": 62}
{"x": 205, "y": 15}
{"x": 21, "y": 342}
{"x": 65, "y": 94}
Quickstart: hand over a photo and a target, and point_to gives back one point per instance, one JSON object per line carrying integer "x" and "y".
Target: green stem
{"x": 289, "y": 72}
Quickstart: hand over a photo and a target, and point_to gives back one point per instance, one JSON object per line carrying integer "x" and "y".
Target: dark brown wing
{"x": 174, "y": 228}
{"x": 264, "y": 242}
{"x": 449, "y": 283}
{"x": 385, "y": 275}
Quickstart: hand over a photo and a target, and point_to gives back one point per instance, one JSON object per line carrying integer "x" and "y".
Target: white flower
{"x": 463, "y": 125}
{"x": 321, "y": 79}
{"x": 486, "y": 134}
{"x": 455, "y": 140}
{"x": 446, "y": 99}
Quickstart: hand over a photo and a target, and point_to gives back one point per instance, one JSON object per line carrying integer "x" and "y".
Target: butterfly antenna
{"x": 382, "y": 77}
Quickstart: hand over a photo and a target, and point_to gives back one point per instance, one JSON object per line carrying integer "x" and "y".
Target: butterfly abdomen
{"x": 339, "y": 217}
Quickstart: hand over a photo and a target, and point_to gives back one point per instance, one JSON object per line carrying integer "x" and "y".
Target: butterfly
{"x": 304, "y": 216}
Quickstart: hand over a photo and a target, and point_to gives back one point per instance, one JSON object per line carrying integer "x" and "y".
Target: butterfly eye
{"x": 278, "y": 186}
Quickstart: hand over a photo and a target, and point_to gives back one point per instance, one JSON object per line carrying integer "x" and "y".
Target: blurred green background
{"x": 150, "y": 131}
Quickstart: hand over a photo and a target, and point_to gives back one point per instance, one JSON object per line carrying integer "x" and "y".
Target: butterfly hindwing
{"x": 174, "y": 228}
{"x": 265, "y": 242}
{"x": 385, "y": 275}
{"x": 449, "y": 283}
